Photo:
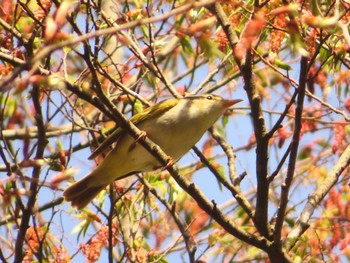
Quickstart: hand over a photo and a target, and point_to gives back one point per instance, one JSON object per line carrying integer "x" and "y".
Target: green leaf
{"x": 305, "y": 153}
{"x": 225, "y": 120}
{"x": 55, "y": 165}
{"x": 157, "y": 258}
{"x": 209, "y": 48}
{"x": 11, "y": 105}
{"x": 315, "y": 9}
{"x": 81, "y": 228}
{"x": 8, "y": 185}
{"x": 138, "y": 106}
{"x": 180, "y": 20}
{"x": 282, "y": 65}
{"x": 221, "y": 171}
{"x": 290, "y": 221}
{"x": 186, "y": 45}
{"x": 59, "y": 144}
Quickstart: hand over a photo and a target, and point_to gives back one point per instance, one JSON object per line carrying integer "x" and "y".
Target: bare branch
{"x": 27, "y": 212}
{"x": 316, "y": 198}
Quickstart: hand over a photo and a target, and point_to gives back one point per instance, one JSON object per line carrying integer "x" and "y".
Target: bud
{"x": 62, "y": 12}
{"x": 50, "y": 29}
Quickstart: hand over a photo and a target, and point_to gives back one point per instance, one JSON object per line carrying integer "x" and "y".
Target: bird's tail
{"x": 82, "y": 192}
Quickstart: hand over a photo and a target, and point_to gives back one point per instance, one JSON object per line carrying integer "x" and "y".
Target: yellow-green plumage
{"x": 175, "y": 125}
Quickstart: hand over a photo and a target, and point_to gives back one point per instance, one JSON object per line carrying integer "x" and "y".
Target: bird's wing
{"x": 153, "y": 111}
{"x": 106, "y": 143}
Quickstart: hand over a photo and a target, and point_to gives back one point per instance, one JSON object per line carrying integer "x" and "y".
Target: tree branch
{"x": 32, "y": 132}
{"x": 186, "y": 234}
{"x": 315, "y": 199}
{"x": 260, "y": 219}
{"x": 293, "y": 151}
{"x": 27, "y": 211}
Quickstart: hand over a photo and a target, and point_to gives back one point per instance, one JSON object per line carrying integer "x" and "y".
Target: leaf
{"x": 315, "y": 8}
{"x": 305, "y": 153}
{"x": 160, "y": 259}
{"x": 282, "y": 65}
{"x": 328, "y": 23}
{"x": 209, "y": 48}
{"x": 225, "y": 120}
{"x": 186, "y": 45}
{"x": 11, "y": 105}
{"x": 220, "y": 129}
{"x": 290, "y": 221}
{"x": 101, "y": 197}
{"x": 138, "y": 106}
{"x": 55, "y": 165}
{"x": 81, "y": 228}
{"x": 59, "y": 144}
{"x": 221, "y": 171}
{"x": 8, "y": 185}
{"x": 296, "y": 40}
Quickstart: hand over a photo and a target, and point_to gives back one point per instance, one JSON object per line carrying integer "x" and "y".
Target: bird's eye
{"x": 210, "y": 97}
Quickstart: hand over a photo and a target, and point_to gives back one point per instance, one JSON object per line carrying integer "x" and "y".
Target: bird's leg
{"x": 142, "y": 136}
{"x": 170, "y": 162}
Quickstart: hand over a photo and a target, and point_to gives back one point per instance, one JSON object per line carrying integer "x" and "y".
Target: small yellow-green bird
{"x": 175, "y": 125}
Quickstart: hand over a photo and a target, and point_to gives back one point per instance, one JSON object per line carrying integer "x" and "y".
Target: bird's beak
{"x": 229, "y": 103}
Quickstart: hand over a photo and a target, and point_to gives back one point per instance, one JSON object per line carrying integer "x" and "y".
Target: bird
{"x": 175, "y": 125}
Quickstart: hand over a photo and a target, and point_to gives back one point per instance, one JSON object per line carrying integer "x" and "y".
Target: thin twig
{"x": 315, "y": 199}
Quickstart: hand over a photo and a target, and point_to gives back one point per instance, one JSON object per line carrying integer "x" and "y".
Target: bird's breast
{"x": 175, "y": 137}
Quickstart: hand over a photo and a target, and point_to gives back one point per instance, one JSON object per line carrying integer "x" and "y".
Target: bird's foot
{"x": 142, "y": 136}
{"x": 170, "y": 162}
